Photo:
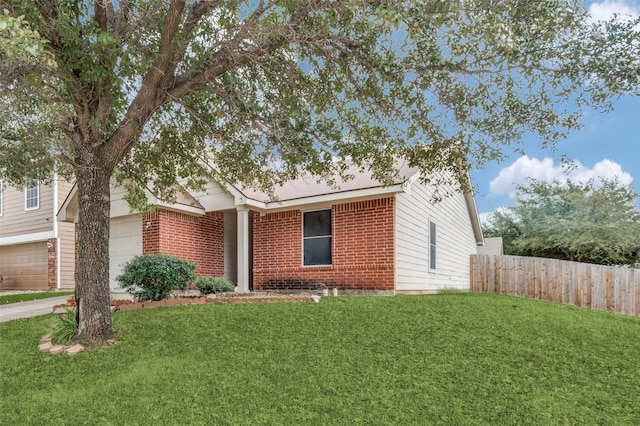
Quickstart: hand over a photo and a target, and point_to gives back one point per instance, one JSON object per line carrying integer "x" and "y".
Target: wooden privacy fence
{"x": 572, "y": 283}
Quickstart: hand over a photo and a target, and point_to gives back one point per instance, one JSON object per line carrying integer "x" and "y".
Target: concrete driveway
{"x": 30, "y": 309}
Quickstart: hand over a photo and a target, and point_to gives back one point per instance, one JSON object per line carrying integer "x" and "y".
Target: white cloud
{"x": 485, "y": 217}
{"x": 604, "y": 10}
{"x": 545, "y": 170}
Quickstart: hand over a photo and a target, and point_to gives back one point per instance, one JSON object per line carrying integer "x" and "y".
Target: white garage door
{"x": 124, "y": 244}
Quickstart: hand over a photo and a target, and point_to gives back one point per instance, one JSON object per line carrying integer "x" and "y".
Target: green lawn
{"x": 24, "y": 297}
{"x": 458, "y": 359}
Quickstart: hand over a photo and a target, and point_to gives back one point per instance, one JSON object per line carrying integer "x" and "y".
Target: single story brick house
{"x": 361, "y": 236}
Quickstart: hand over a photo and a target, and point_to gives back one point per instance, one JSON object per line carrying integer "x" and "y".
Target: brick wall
{"x": 363, "y": 251}
{"x": 198, "y": 239}
{"x": 52, "y": 263}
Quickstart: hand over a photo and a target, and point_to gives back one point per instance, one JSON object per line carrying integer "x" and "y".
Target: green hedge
{"x": 208, "y": 285}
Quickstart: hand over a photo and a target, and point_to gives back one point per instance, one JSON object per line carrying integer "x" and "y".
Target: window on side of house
{"x": 432, "y": 245}
{"x": 316, "y": 235}
{"x": 32, "y": 195}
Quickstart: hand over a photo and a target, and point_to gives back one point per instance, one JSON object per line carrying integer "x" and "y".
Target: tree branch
{"x": 122, "y": 17}
{"x": 100, "y": 13}
{"x": 228, "y": 57}
{"x": 151, "y": 91}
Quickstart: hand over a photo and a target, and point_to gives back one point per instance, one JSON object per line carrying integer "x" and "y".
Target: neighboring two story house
{"x": 36, "y": 251}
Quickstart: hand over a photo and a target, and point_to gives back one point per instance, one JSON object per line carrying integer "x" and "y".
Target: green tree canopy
{"x": 254, "y": 92}
{"x": 597, "y": 221}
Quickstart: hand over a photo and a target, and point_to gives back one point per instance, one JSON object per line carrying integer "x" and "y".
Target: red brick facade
{"x": 198, "y": 239}
{"x": 52, "y": 263}
{"x": 362, "y": 249}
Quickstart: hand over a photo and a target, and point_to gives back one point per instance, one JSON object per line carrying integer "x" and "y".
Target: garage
{"x": 24, "y": 266}
{"x": 124, "y": 244}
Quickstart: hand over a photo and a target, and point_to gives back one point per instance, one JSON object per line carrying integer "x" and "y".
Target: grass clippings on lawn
{"x": 439, "y": 359}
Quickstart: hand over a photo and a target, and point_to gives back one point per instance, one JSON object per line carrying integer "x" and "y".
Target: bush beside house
{"x": 153, "y": 277}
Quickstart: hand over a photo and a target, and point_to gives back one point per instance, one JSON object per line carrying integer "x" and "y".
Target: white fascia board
{"x": 406, "y": 185}
{"x": 336, "y": 197}
{"x": 65, "y": 214}
{"x": 472, "y": 208}
{"x": 475, "y": 218}
{"x": 242, "y": 201}
{"x": 182, "y": 208}
{"x": 27, "y": 238}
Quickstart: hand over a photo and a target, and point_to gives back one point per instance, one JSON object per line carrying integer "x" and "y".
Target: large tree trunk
{"x": 92, "y": 291}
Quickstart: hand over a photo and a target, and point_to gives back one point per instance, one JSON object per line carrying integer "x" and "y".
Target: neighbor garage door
{"x": 24, "y": 266}
{"x": 124, "y": 244}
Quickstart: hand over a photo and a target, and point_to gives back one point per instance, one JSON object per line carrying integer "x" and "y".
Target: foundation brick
{"x": 52, "y": 263}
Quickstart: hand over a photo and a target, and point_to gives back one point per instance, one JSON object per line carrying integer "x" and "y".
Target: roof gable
{"x": 308, "y": 186}
{"x": 304, "y": 191}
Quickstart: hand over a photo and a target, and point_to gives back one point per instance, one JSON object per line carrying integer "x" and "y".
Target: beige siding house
{"x": 36, "y": 251}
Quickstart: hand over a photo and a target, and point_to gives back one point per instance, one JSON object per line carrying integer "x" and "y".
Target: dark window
{"x": 317, "y": 237}
{"x": 432, "y": 245}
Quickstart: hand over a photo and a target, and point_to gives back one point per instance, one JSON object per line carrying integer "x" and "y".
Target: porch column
{"x": 243, "y": 249}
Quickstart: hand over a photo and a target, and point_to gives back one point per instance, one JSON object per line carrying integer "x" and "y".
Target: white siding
{"x": 16, "y": 221}
{"x": 64, "y": 187}
{"x": 214, "y": 198}
{"x": 455, "y": 241}
{"x": 119, "y": 206}
{"x": 67, "y": 241}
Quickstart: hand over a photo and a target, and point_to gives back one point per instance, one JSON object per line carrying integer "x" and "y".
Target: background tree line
{"x": 596, "y": 221}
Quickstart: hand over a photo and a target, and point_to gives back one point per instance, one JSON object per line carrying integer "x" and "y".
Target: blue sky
{"x": 608, "y": 145}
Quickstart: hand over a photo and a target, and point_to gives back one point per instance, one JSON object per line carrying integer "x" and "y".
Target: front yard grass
{"x": 25, "y": 297}
{"x": 440, "y": 359}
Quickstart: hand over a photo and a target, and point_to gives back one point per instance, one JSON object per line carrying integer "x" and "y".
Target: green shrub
{"x": 155, "y": 276}
{"x": 65, "y": 329}
{"x": 208, "y": 285}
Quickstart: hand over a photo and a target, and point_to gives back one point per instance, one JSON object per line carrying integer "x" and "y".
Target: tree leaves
{"x": 298, "y": 83}
{"x": 18, "y": 40}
